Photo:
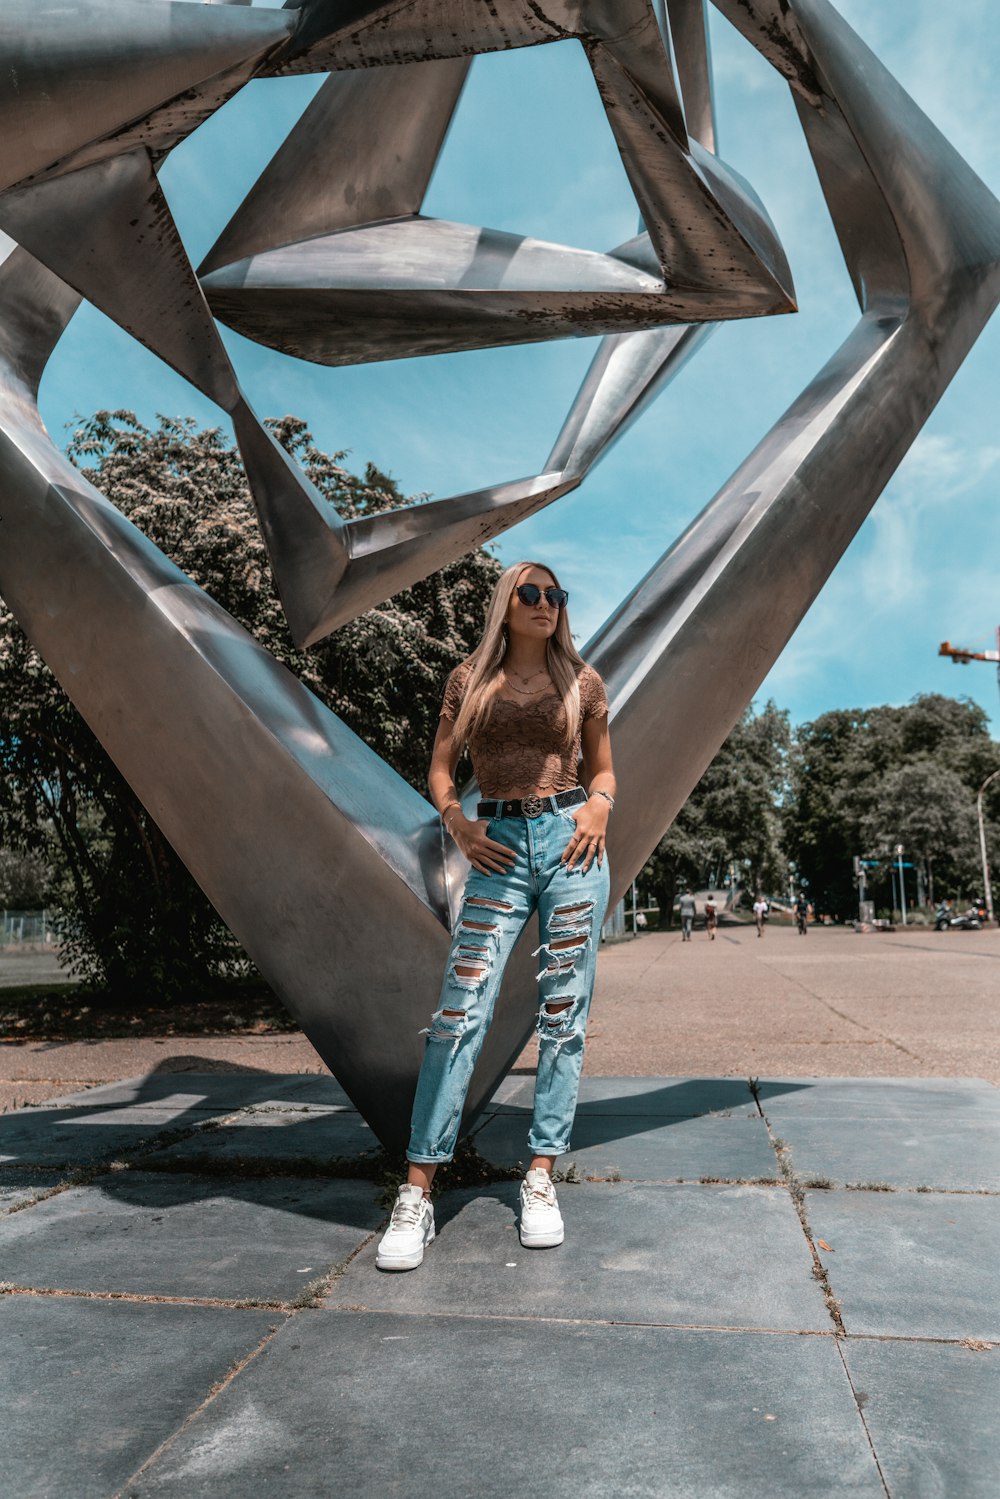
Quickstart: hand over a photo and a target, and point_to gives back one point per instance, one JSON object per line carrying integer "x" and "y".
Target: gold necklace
{"x": 541, "y": 672}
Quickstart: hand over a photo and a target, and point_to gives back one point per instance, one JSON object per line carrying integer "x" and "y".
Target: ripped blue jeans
{"x": 495, "y": 908}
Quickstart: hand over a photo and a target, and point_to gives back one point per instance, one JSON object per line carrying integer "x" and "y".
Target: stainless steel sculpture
{"x": 274, "y": 805}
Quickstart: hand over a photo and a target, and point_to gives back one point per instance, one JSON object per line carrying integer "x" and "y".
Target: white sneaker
{"x": 410, "y": 1228}
{"x": 541, "y": 1225}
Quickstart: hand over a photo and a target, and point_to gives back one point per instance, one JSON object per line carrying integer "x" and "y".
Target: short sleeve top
{"x": 524, "y": 744}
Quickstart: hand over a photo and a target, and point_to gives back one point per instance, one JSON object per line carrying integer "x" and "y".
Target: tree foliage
{"x": 864, "y": 782}
{"x": 852, "y": 783}
{"x": 733, "y": 816}
{"x": 133, "y": 918}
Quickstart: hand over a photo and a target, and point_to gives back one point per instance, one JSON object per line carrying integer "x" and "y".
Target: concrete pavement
{"x": 773, "y": 1292}
{"x": 775, "y": 1288}
{"x": 917, "y": 1004}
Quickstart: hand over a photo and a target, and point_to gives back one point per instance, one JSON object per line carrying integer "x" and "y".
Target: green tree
{"x": 733, "y": 816}
{"x": 26, "y": 878}
{"x": 925, "y": 808}
{"x": 863, "y": 781}
{"x": 134, "y": 920}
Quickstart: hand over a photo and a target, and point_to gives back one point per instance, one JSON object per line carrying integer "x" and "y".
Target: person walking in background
{"x": 760, "y": 913}
{"x": 535, "y": 718}
{"x": 711, "y": 916}
{"x": 687, "y": 911}
{"x": 802, "y": 913}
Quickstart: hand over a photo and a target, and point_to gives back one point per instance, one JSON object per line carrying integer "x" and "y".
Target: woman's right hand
{"x": 482, "y": 852}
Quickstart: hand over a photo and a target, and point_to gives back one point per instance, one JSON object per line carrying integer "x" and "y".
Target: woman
{"x": 527, "y": 706}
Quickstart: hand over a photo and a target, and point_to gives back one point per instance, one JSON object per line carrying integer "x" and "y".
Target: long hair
{"x": 562, "y": 660}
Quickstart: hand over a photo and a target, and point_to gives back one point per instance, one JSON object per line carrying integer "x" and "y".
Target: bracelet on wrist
{"x": 606, "y": 795}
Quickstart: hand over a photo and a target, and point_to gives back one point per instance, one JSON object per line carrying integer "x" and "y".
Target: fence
{"x": 614, "y": 926}
{"x": 17, "y": 927}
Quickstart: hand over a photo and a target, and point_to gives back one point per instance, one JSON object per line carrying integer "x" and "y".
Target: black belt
{"x": 532, "y": 806}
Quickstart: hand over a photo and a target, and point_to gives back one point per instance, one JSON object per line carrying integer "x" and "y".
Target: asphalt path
{"x": 830, "y": 1004}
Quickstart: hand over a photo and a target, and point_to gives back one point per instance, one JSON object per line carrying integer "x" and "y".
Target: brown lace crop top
{"x": 524, "y": 744}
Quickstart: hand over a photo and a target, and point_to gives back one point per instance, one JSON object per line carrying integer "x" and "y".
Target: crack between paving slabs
{"x": 796, "y": 1193}
{"x": 192, "y": 1416}
{"x": 716, "y": 1327}
{"x": 976, "y": 1344}
{"x": 861, "y": 1415}
{"x": 324, "y": 1286}
{"x": 310, "y": 1299}
{"x": 242, "y": 1304}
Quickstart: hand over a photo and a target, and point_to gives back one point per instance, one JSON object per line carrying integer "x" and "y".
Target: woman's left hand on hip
{"x": 587, "y": 842}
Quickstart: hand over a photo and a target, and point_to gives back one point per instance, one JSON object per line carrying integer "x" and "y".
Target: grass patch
{"x": 69, "y": 1012}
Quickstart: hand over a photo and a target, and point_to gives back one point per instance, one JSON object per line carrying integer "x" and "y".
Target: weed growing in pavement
{"x": 311, "y": 1295}
{"x": 796, "y": 1190}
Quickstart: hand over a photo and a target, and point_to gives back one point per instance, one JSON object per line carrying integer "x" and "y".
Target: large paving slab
{"x": 912, "y": 1132}
{"x": 934, "y": 1099}
{"x": 380, "y": 1405}
{"x": 637, "y": 1148}
{"x": 954, "y": 1154}
{"x": 214, "y": 1092}
{"x": 715, "y": 1256}
{"x": 911, "y": 1264}
{"x": 301, "y": 1139}
{"x": 70, "y": 1137}
{"x": 89, "y": 1389}
{"x": 682, "y": 1097}
{"x": 175, "y": 1235}
{"x": 932, "y": 1410}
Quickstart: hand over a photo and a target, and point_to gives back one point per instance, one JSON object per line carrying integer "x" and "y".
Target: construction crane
{"x": 963, "y": 657}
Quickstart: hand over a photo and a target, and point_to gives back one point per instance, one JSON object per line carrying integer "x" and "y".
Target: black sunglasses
{"x": 530, "y": 594}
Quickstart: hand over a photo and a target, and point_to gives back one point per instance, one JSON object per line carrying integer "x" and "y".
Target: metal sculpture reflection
{"x": 273, "y": 804}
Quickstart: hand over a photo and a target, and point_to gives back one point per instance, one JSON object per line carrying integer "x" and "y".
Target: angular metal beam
{"x": 75, "y": 75}
{"x": 363, "y": 151}
{"x": 278, "y": 810}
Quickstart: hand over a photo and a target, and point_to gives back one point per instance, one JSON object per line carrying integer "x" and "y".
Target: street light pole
{"x": 987, "y": 887}
{"x": 902, "y": 887}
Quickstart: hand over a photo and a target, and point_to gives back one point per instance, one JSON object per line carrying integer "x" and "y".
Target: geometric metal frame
{"x": 274, "y": 805}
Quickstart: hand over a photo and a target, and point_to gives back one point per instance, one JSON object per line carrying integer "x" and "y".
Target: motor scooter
{"x": 963, "y": 921}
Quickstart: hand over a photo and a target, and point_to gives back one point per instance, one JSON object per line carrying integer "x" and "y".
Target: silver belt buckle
{"x": 533, "y": 806}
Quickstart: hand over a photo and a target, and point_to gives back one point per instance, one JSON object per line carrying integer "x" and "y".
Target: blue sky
{"x": 530, "y": 151}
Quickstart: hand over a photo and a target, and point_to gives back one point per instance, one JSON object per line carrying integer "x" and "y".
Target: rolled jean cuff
{"x": 427, "y": 1160}
{"x": 547, "y": 1148}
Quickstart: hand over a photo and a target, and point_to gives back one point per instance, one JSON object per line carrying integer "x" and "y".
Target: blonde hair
{"x": 562, "y": 660}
